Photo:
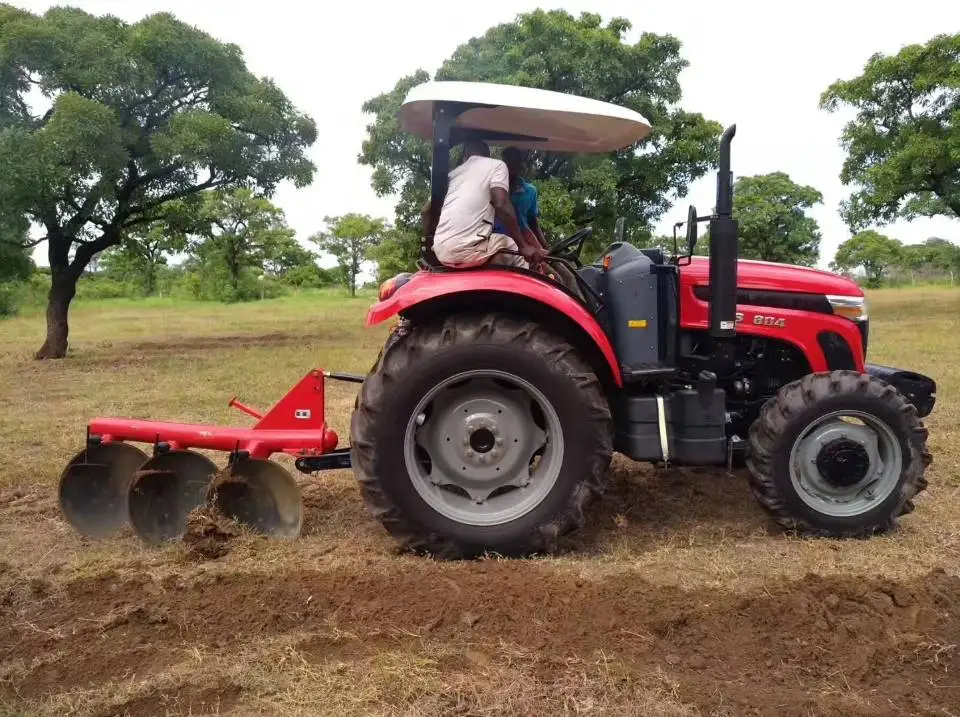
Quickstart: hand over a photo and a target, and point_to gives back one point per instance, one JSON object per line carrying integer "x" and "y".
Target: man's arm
{"x": 499, "y": 183}
{"x": 535, "y": 227}
{"x": 534, "y": 219}
{"x": 531, "y": 250}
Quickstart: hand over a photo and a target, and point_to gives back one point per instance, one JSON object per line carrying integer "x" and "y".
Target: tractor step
{"x": 647, "y": 373}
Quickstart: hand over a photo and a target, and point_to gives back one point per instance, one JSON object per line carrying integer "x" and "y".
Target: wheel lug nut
{"x": 470, "y": 452}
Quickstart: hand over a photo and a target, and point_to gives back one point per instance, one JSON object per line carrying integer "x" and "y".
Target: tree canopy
{"x": 903, "y": 145}
{"x": 238, "y": 235}
{"x": 554, "y": 50}
{"x": 771, "y": 212}
{"x": 872, "y": 251}
{"x": 138, "y": 115}
{"x": 350, "y": 239}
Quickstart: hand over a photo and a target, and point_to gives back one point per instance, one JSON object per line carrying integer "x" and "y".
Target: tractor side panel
{"x": 475, "y": 284}
{"x": 828, "y": 342}
{"x": 632, "y": 298}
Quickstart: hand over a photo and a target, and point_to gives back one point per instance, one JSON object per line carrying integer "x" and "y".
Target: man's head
{"x": 475, "y": 149}
{"x": 513, "y": 158}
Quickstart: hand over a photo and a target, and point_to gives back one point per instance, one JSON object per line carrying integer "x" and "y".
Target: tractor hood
{"x": 770, "y": 276}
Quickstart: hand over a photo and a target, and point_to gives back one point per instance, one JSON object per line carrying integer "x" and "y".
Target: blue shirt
{"x": 525, "y": 205}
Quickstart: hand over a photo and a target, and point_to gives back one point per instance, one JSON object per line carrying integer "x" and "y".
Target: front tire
{"x": 480, "y": 434}
{"x": 820, "y": 475}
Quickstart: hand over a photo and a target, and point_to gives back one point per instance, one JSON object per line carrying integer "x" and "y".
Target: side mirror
{"x": 692, "y": 230}
{"x": 618, "y": 230}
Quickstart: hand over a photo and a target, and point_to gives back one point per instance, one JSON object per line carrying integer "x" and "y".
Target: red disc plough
{"x": 111, "y": 484}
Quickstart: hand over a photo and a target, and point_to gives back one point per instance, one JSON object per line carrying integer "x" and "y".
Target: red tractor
{"x": 491, "y": 416}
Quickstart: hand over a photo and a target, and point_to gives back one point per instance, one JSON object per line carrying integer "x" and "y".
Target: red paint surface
{"x": 279, "y": 431}
{"x": 801, "y": 327}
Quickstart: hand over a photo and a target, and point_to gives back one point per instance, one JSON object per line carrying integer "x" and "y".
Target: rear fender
{"x": 437, "y": 293}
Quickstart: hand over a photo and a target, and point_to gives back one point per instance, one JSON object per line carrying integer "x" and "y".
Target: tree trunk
{"x": 63, "y": 287}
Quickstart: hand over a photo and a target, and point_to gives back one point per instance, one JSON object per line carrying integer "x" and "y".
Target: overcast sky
{"x": 759, "y": 64}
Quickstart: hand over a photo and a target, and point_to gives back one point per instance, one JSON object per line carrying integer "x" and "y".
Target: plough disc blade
{"x": 164, "y": 492}
{"x": 94, "y": 486}
{"x": 260, "y": 494}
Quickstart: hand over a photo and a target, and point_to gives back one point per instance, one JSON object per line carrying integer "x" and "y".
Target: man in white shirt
{"x": 479, "y": 191}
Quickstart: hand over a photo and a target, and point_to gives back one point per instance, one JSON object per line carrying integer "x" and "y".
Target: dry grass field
{"x": 679, "y": 599}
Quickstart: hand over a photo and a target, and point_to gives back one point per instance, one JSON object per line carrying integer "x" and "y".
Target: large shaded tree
{"x": 875, "y": 253}
{"x": 903, "y": 145}
{"x": 554, "y": 50}
{"x": 771, "y": 212}
{"x": 135, "y": 116}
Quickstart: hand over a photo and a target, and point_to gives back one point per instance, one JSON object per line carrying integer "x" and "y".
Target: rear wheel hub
{"x": 484, "y": 447}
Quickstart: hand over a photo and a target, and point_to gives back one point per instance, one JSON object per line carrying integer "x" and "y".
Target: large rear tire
{"x": 819, "y": 474}
{"x": 480, "y": 434}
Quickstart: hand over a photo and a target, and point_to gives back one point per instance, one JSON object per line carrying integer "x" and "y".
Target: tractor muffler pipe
{"x": 724, "y": 249}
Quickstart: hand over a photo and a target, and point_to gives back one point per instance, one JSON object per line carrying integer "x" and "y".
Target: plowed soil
{"x": 818, "y": 645}
{"x": 678, "y": 599}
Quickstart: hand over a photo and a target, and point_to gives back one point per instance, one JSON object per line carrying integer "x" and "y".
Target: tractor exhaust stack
{"x": 724, "y": 249}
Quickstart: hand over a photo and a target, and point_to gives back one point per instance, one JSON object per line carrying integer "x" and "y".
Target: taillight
{"x": 390, "y": 286}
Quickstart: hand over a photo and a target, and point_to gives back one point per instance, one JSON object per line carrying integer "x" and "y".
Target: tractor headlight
{"x": 850, "y": 307}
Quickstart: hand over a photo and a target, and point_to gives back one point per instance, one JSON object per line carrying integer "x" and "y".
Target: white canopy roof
{"x": 558, "y": 121}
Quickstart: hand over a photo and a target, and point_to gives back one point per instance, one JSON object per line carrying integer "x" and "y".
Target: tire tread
{"x": 797, "y": 397}
{"x": 399, "y": 356}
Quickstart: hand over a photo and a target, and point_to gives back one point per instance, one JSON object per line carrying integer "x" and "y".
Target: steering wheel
{"x": 564, "y": 249}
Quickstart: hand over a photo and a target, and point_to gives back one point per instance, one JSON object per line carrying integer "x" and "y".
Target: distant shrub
{"x": 11, "y": 297}
{"x": 101, "y": 287}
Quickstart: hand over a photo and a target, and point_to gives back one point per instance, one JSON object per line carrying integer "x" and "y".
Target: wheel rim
{"x": 483, "y": 447}
{"x": 841, "y": 468}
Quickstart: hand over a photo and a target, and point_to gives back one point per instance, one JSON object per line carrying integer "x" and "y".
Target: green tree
{"x": 237, "y": 231}
{"x": 554, "y": 50}
{"x": 350, "y": 239}
{"x": 902, "y": 145}
{"x": 286, "y": 254}
{"x": 308, "y": 276}
{"x": 875, "y": 253}
{"x": 933, "y": 257}
{"x": 771, "y": 212}
{"x": 144, "y": 249}
{"x": 140, "y": 115}
{"x": 15, "y": 263}
{"x": 392, "y": 255}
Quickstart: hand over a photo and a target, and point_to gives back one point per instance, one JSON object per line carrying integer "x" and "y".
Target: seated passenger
{"x": 477, "y": 193}
{"x": 523, "y": 196}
